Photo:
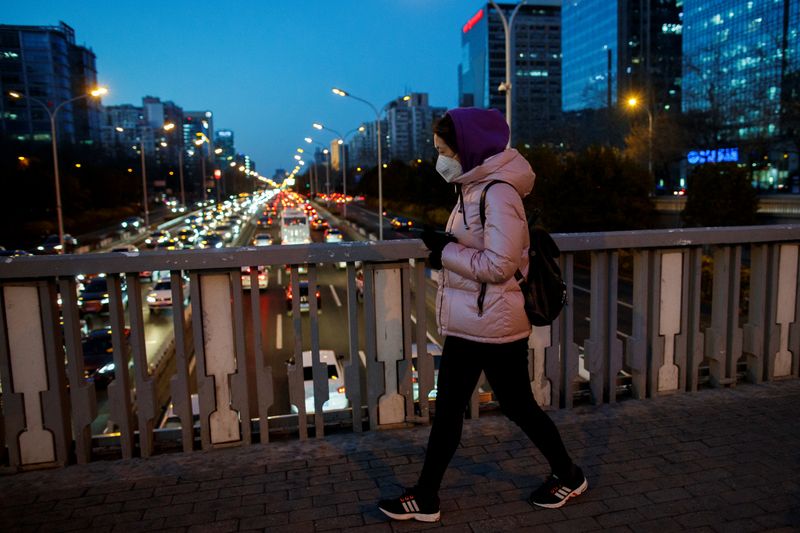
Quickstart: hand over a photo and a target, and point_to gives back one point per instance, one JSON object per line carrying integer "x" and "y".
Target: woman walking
{"x": 479, "y": 307}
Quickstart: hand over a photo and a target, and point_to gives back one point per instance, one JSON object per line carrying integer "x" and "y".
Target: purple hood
{"x": 480, "y": 133}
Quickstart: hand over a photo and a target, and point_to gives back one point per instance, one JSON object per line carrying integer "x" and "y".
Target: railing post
{"x": 425, "y": 367}
{"x": 603, "y": 351}
{"x": 375, "y": 369}
{"x": 215, "y": 353}
{"x": 146, "y": 406}
{"x": 83, "y": 397}
{"x": 783, "y": 361}
{"x": 32, "y": 372}
{"x": 319, "y": 370}
{"x": 758, "y": 332}
{"x": 119, "y": 390}
{"x": 265, "y": 392}
{"x": 294, "y": 372}
{"x": 695, "y": 338}
{"x": 564, "y": 380}
{"x": 724, "y": 337}
{"x": 388, "y": 312}
{"x": 179, "y": 383}
{"x": 637, "y": 344}
{"x": 668, "y": 334}
{"x": 352, "y": 374}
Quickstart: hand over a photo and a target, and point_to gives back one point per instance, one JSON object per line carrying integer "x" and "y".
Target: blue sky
{"x": 265, "y": 68}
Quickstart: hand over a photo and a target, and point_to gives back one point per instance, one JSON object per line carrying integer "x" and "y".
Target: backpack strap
{"x": 482, "y": 207}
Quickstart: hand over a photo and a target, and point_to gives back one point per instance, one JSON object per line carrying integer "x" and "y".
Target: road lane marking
{"x": 335, "y": 296}
{"x": 279, "y": 332}
{"x": 427, "y": 333}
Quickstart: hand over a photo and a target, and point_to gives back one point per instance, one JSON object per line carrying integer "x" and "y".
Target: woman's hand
{"x": 435, "y": 242}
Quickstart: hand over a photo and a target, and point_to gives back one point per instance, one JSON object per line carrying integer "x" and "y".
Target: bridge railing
{"x": 662, "y": 307}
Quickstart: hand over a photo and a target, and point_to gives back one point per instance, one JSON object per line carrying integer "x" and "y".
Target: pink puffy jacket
{"x": 490, "y": 254}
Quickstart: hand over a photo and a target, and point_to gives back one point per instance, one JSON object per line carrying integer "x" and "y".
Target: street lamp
{"x": 325, "y": 151}
{"x": 340, "y": 92}
{"x": 507, "y": 85}
{"x": 169, "y": 127}
{"x": 341, "y": 142}
{"x": 96, "y": 93}
{"x": 633, "y": 103}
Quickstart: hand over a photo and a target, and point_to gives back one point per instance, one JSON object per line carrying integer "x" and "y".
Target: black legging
{"x": 506, "y": 369}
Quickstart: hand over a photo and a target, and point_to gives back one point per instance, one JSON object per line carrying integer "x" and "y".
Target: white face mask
{"x": 449, "y": 168}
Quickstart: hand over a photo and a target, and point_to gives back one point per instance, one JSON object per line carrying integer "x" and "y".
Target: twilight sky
{"x": 266, "y": 68}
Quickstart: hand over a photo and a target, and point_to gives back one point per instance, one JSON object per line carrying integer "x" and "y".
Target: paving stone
{"x": 264, "y": 521}
{"x": 225, "y": 526}
{"x": 339, "y": 522}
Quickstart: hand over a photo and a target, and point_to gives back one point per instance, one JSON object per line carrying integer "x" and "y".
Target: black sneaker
{"x": 411, "y": 505}
{"x": 555, "y": 492}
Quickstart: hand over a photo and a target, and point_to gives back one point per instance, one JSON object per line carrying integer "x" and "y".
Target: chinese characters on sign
{"x": 720, "y": 155}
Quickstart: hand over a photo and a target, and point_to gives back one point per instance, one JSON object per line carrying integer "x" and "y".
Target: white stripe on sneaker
{"x": 416, "y": 507}
{"x": 406, "y": 507}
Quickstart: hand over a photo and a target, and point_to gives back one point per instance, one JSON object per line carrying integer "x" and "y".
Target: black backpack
{"x": 544, "y": 290}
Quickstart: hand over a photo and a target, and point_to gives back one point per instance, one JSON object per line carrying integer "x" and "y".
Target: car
{"x": 156, "y": 237}
{"x": 171, "y": 243}
{"x": 52, "y": 245}
{"x": 14, "y": 253}
{"x": 98, "y": 354}
{"x": 125, "y": 248}
{"x": 333, "y": 235}
{"x": 93, "y": 298}
{"x": 227, "y": 232}
{"x": 401, "y": 223}
{"x": 337, "y": 399}
{"x": 132, "y": 223}
{"x": 262, "y": 239}
{"x": 305, "y": 306}
{"x": 210, "y": 241}
{"x": 263, "y": 278}
{"x": 187, "y": 236}
{"x": 318, "y": 223}
{"x": 160, "y": 296}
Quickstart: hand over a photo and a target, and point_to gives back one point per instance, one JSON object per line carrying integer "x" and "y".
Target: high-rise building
{"x": 44, "y": 63}
{"x": 362, "y": 149}
{"x": 615, "y": 48}
{"x": 197, "y": 124}
{"x": 535, "y": 69}
{"x": 224, "y": 139}
{"x": 742, "y": 71}
{"x": 409, "y": 132}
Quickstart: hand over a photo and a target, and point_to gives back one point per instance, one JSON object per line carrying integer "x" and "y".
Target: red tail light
{"x": 340, "y": 390}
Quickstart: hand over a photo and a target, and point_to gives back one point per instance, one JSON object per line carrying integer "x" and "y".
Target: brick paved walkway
{"x": 717, "y": 460}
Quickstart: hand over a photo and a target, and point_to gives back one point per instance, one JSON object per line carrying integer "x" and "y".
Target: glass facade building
{"x": 535, "y": 70}
{"x": 616, "y": 48}
{"x": 737, "y": 56}
{"x": 43, "y": 62}
{"x": 742, "y": 74}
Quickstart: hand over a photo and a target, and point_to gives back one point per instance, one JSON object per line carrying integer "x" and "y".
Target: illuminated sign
{"x": 474, "y": 20}
{"x": 720, "y": 155}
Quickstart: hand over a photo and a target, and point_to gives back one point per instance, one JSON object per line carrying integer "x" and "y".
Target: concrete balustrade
{"x": 649, "y": 328}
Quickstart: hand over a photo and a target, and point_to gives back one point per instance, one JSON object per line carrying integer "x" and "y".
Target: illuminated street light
{"x": 340, "y": 92}
{"x": 97, "y": 92}
{"x": 633, "y": 103}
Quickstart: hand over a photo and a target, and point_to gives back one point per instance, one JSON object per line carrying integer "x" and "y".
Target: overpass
{"x": 667, "y": 313}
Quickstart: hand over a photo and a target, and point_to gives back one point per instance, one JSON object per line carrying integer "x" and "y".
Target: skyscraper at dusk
{"x": 619, "y": 47}
{"x": 43, "y": 62}
{"x": 409, "y": 123}
{"x": 536, "y": 65}
{"x": 742, "y": 71}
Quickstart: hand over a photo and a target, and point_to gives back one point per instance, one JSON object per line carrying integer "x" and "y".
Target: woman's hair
{"x": 446, "y": 129}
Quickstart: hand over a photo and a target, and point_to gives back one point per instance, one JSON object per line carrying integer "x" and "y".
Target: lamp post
{"x": 100, "y": 91}
{"x": 506, "y": 86}
{"x": 342, "y": 141}
{"x": 203, "y": 138}
{"x": 633, "y": 103}
{"x": 169, "y": 127}
{"x": 340, "y": 92}
{"x": 325, "y": 151}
